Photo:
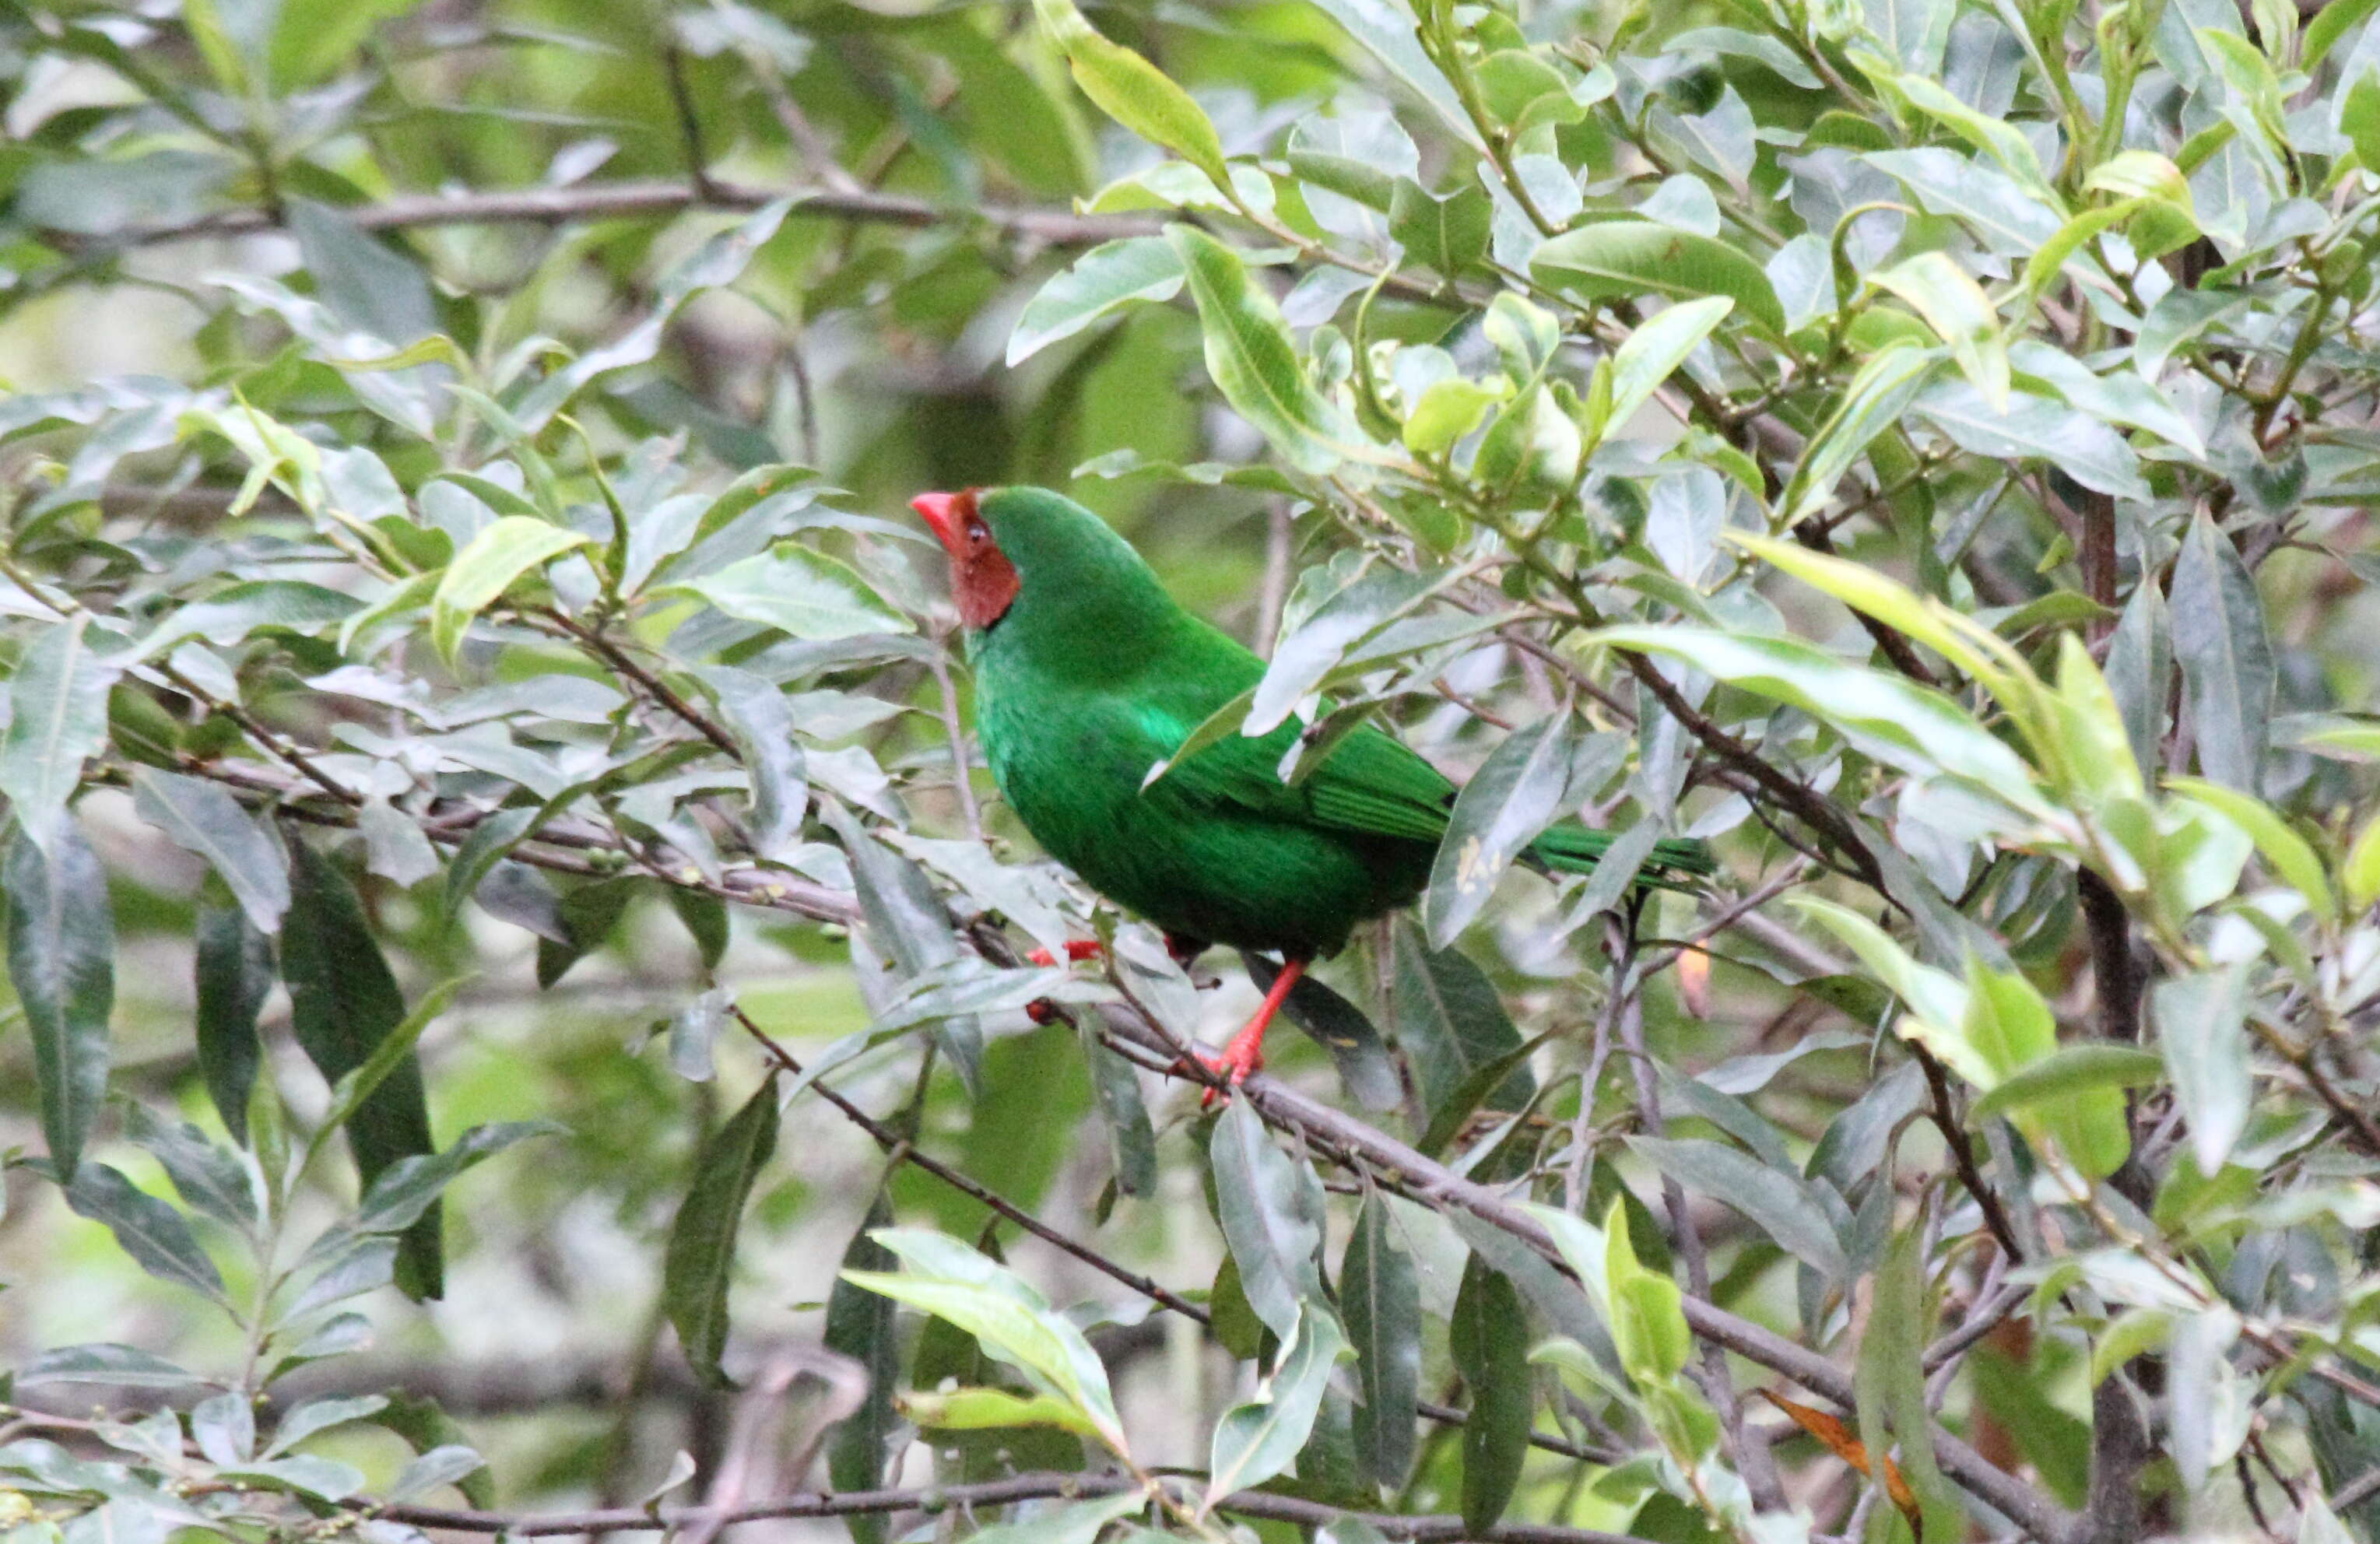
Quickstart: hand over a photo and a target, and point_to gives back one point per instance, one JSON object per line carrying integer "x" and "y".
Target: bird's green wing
{"x": 1371, "y": 784}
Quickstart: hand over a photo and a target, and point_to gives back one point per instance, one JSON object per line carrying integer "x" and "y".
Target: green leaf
{"x": 1012, "y": 1321}
{"x": 1252, "y": 361}
{"x": 203, "y": 818}
{"x": 1622, "y": 259}
{"x": 863, "y": 1326}
{"x": 757, "y": 715}
{"x": 1357, "y": 1053}
{"x": 2007, "y": 220}
{"x": 2034, "y": 428}
{"x": 1874, "y": 402}
{"x": 1488, "y": 1339}
{"x": 2139, "y": 670}
{"x": 1954, "y": 305}
{"x": 798, "y": 591}
{"x": 1143, "y": 268}
{"x": 365, "y": 280}
{"x": 486, "y": 569}
{"x": 207, "y": 1178}
{"x": 1448, "y": 410}
{"x": 1271, "y": 1217}
{"x": 1130, "y": 89}
{"x": 1381, "y": 1296}
{"x": 2203, "y": 1032}
{"x": 1132, "y": 1141}
{"x": 1258, "y": 1439}
{"x": 1885, "y": 716}
{"x": 2227, "y": 672}
{"x": 2291, "y": 855}
{"x": 343, "y": 1004}
{"x": 701, "y": 1258}
{"x": 1890, "y": 1384}
{"x": 1446, "y": 1017}
{"x": 1448, "y": 234}
{"x": 1997, "y": 138}
{"x": 62, "y": 962}
{"x": 235, "y": 973}
{"x": 907, "y": 922}
{"x": 57, "y": 719}
{"x": 1517, "y": 793}
{"x": 1780, "y": 1203}
{"x": 153, "y": 1234}
{"x": 2069, "y": 1069}
{"x": 1656, "y": 350}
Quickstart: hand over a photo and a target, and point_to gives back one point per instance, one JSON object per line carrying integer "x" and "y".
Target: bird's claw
{"x": 1233, "y": 1066}
{"x": 1042, "y": 1010}
{"x": 1077, "y": 949}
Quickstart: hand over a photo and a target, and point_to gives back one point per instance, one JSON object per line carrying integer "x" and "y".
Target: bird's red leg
{"x": 1077, "y": 949}
{"x": 1244, "y": 1055}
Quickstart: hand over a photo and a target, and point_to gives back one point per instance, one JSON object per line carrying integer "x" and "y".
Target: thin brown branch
{"x": 1962, "y": 1157}
{"x": 603, "y": 201}
{"x": 933, "y": 1500}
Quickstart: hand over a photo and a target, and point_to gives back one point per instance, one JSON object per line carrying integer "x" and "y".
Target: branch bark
{"x": 603, "y": 201}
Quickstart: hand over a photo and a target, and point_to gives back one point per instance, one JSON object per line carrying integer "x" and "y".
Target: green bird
{"x": 1087, "y": 675}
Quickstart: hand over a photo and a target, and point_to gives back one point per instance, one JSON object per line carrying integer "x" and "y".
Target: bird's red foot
{"x": 1245, "y": 1054}
{"x": 1042, "y": 1010}
{"x": 1077, "y": 949}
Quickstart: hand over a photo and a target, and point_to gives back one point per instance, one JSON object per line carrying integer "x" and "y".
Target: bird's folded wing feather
{"x": 1370, "y": 785}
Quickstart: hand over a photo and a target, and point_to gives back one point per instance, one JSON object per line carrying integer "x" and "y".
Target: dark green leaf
{"x": 1381, "y": 1298}
{"x": 1488, "y": 1339}
{"x": 201, "y": 818}
{"x": 1131, "y": 1142}
{"x": 1517, "y": 793}
{"x": 343, "y": 1004}
{"x": 1271, "y": 1218}
{"x": 1251, "y": 360}
{"x": 208, "y": 1178}
{"x": 62, "y": 962}
{"x": 862, "y": 1325}
{"x": 1890, "y": 1382}
{"x": 152, "y": 1232}
{"x": 701, "y": 1256}
{"x": 1623, "y": 259}
{"x": 427, "y": 1429}
{"x": 1779, "y": 1201}
{"x": 1341, "y": 1028}
{"x": 2226, "y": 657}
{"x": 1448, "y": 1023}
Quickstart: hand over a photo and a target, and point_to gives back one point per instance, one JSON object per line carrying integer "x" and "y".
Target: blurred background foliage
{"x": 461, "y": 616}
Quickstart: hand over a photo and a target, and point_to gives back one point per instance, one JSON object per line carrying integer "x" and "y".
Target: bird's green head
{"x": 1033, "y": 553}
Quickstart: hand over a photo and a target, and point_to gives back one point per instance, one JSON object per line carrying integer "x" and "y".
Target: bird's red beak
{"x": 944, "y": 514}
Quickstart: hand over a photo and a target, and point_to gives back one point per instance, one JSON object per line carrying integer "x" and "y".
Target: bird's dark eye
{"x": 976, "y": 534}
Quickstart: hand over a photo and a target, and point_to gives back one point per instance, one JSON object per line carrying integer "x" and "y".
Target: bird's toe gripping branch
{"x": 1244, "y": 1052}
{"x": 1039, "y": 1010}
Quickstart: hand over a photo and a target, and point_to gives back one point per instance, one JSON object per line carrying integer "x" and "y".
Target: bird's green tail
{"x": 1678, "y": 863}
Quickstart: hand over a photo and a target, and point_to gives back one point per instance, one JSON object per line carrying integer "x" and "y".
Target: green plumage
{"x": 1094, "y": 675}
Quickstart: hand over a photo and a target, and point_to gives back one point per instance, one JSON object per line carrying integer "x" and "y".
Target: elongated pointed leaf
{"x": 700, "y": 1259}
{"x": 1260, "y": 1440}
{"x": 1137, "y": 268}
{"x": 62, "y": 962}
{"x": 2225, "y": 656}
{"x": 486, "y": 569}
{"x": 1489, "y": 1340}
{"x": 862, "y": 1325}
{"x": 156, "y": 1236}
{"x": 1448, "y": 1023}
{"x": 1517, "y": 793}
{"x": 203, "y": 818}
{"x": 1251, "y": 360}
{"x": 1778, "y": 1202}
{"x": 343, "y": 1004}
{"x": 57, "y": 719}
{"x": 1620, "y": 258}
{"x": 1133, "y": 92}
{"x": 1381, "y": 1296}
{"x": 1268, "y": 1218}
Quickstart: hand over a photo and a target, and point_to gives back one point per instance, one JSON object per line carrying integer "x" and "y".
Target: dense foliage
{"x": 475, "y": 699}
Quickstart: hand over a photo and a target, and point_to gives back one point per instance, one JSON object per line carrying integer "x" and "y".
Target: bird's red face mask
{"x": 983, "y": 582}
